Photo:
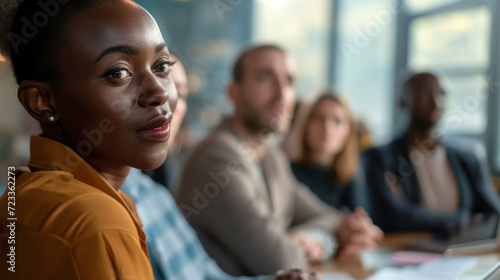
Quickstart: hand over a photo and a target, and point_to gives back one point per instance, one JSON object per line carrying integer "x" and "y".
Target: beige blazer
{"x": 243, "y": 224}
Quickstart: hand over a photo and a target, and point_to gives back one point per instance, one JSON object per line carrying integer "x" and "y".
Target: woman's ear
{"x": 37, "y": 98}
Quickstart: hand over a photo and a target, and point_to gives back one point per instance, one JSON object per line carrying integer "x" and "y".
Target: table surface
{"x": 372, "y": 261}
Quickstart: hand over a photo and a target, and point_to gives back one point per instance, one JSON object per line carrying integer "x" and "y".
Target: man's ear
{"x": 232, "y": 92}
{"x": 404, "y": 101}
{"x": 38, "y": 100}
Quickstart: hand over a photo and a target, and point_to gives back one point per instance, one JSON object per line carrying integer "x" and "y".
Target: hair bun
{"x": 7, "y": 12}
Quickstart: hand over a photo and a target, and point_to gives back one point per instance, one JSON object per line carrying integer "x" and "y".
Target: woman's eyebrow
{"x": 160, "y": 47}
{"x": 126, "y": 49}
{"x": 122, "y": 49}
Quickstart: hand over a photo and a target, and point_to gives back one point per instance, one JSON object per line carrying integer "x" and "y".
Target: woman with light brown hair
{"x": 328, "y": 155}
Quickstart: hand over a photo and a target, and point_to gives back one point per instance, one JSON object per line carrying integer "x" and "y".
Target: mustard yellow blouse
{"x": 71, "y": 224}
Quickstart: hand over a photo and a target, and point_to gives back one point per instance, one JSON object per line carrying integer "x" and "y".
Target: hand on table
{"x": 314, "y": 250}
{"x": 357, "y": 233}
{"x": 296, "y": 274}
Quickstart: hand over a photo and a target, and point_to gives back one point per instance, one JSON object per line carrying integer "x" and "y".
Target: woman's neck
{"x": 114, "y": 176}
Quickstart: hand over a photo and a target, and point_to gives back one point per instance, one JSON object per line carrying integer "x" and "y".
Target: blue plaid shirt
{"x": 174, "y": 248}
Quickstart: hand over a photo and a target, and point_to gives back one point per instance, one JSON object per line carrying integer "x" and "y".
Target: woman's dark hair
{"x": 33, "y": 34}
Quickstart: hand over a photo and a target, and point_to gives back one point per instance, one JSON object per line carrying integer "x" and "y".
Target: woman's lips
{"x": 157, "y": 130}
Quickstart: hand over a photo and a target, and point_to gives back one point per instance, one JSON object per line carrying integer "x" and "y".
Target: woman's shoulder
{"x": 54, "y": 187}
{"x": 54, "y": 202}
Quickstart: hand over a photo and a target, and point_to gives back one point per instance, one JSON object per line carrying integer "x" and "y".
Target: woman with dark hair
{"x": 328, "y": 157}
{"x": 96, "y": 75}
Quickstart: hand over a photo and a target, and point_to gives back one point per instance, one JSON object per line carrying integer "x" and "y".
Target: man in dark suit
{"x": 417, "y": 182}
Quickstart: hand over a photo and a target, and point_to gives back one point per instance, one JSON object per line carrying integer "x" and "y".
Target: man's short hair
{"x": 238, "y": 67}
{"x": 417, "y": 80}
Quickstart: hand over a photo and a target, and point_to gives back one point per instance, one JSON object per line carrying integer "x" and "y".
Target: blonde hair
{"x": 345, "y": 165}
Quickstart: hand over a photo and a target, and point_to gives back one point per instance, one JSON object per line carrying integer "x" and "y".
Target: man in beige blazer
{"x": 237, "y": 191}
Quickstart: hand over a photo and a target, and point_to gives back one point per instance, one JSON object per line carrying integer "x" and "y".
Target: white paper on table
{"x": 335, "y": 276}
{"x": 453, "y": 266}
{"x": 407, "y": 274}
{"x": 440, "y": 269}
{"x": 388, "y": 273}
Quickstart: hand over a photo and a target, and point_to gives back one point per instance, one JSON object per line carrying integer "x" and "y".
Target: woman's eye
{"x": 163, "y": 67}
{"x": 119, "y": 74}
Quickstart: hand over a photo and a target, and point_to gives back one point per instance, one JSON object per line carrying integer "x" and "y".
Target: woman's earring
{"x": 51, "y": 118}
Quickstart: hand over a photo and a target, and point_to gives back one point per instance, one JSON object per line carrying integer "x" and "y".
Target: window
{"x": 303, "y": 29}
{"x": 364, "y": 61}
{"x": 451, "y": 40}
{"x": 417, "y": 6}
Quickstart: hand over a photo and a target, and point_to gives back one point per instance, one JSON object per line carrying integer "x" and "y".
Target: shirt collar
{"x": 50, "y": 155}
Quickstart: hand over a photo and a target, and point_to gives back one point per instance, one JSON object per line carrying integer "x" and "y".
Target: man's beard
{"x": 257, "y": 125}
{"x": 423, "y": 124}
{"x": 257, "y": 122}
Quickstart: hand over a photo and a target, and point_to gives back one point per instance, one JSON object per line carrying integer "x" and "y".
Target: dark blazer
{"x": 347, "y": 196}
{"x": 397, "y": 207}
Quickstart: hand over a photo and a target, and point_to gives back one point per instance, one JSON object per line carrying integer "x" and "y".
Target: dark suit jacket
{"x": 395, "y": 192}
